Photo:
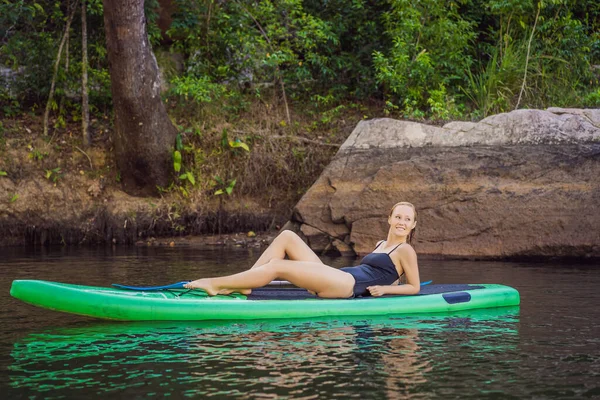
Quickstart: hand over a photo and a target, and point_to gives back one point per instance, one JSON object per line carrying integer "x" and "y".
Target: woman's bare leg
{"x": 316, "y": 277}
{"x": 290, "y": 244}
{"x": 287, "y": 243}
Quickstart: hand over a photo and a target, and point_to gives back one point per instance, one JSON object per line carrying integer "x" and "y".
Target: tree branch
{"x": 290, "y": 137}
{"x": 305, "y": 140}
{"x": 56, "y": 64}
{"x": 88, "y": 157}
{"x": 278, "y": 71}
{"x": 527, "y": 59}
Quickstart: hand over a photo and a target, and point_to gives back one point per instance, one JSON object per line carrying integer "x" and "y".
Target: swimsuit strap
{"x": 396, "y": 248}
{"x": 379, "y": 244}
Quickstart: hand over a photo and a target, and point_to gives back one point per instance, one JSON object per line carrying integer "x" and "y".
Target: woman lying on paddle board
{"x": 377, "y": 274}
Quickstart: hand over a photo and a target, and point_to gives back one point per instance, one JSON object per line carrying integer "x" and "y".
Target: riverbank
{"x": 249, "y": 239}
{"x": 54, "y": 191}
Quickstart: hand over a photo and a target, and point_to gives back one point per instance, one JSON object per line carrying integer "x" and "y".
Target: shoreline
{"x": 261, "y": 240}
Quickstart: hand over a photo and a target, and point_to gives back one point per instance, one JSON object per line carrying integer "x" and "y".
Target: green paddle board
{"x": 263, "y": 303}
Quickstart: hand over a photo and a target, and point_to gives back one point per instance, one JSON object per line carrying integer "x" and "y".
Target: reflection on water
{"x": 546, "y": 349}
{"x": 383, "y": 357}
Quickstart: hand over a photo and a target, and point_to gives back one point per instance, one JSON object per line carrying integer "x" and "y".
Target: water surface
{"x": 546, "y": 348}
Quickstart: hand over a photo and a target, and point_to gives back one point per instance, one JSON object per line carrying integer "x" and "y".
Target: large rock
{"x": 524, "y": 183}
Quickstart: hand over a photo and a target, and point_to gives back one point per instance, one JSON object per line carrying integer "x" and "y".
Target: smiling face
{"x": 402, "y": 219}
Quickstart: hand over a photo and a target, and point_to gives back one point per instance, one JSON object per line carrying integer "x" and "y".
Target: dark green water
{"x": 549, "y": 347}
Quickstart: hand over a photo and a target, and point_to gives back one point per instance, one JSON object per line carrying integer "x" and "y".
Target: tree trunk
{"x": 143, "y": 134}
{"x": 85, "y": 109}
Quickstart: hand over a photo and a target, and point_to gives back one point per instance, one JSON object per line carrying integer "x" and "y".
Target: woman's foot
{"x": 204, "y": 284}
{"x": 208, "y": 287}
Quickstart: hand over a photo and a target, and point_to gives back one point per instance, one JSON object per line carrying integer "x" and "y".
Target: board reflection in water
{"x": 383, "y": 357}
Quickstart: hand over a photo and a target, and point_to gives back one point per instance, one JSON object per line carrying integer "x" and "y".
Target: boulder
{"x": 518, "y": 184}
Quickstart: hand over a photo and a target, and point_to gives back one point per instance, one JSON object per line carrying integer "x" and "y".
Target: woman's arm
{"x": 407, "y": 258}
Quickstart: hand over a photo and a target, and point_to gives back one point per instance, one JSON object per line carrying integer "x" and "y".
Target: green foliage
{"x": 244, "y": 42}
{"x": 53, "y": 175}
{"x": 232, "y": 145}
{"x": 30, "y": 34}
{"x": 427, "y": 50}
{"x": 592, "y": 99}
{"x": 3, "y": 173}
{"x": 151, "y": 8}
{"x": 37, "y": 155}
{"x": 442, "y": 106}
{"x": 423, "y": 58}
{"x": 188, "y": 176}
{"x": 177, "y": 160}
{"x": 562, "y": 52}
{"x": 10, "y": 106}
{"x": 223, "y": 186}
{"x": 200, "y": 90}
{"x": 235, "y": 144}
{"x": 493, "y": 87}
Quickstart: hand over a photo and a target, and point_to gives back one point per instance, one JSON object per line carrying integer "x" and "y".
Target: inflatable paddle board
{"x": 263, "y": 303}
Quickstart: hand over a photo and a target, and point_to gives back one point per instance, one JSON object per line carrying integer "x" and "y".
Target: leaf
{"x": 191, "y": 178}
{"x": 3, "y": 173}
{"x": 224, "y": 140}
{"x": 238, "y": 143}
{"x": 218, "y": 192}
{"x": 229, "y": 188}
{"x": 183, "y": 176}
{"x": 244, "y": 146}
{"x": 39, "y": 8}
{"x": 48, "y": 173}
{"x": 14, "y": 198}
{"x": 178, "y": 142}
{"x": 177, "y": 161}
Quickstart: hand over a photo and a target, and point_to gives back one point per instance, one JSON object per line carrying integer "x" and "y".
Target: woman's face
{"x": 402, "y": 220}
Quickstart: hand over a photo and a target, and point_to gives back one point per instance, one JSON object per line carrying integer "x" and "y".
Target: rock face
{"x": 520, "y": 184}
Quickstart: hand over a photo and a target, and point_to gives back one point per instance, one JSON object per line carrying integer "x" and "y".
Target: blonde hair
{"x": 406, "y": 203}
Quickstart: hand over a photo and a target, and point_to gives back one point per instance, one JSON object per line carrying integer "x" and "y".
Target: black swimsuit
{"x": 374, "y": 269}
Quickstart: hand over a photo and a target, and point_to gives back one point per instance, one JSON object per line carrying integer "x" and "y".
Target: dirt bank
{"x": 53, "y": 191}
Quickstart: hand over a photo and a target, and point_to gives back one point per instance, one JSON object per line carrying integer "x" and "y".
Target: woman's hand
{"x": 377, "y": 290}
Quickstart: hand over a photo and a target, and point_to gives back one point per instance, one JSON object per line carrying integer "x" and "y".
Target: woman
{"x": 377, "y": 275}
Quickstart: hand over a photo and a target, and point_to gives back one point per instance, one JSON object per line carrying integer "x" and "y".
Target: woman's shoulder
{"x": 405, "y": 257}
{"x": 406, "y": 250}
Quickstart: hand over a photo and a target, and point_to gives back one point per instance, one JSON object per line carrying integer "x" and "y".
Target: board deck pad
{"x": 267, "y": 293}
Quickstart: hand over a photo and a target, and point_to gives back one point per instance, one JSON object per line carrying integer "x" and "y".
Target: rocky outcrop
{"x": 519, "y": 184}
